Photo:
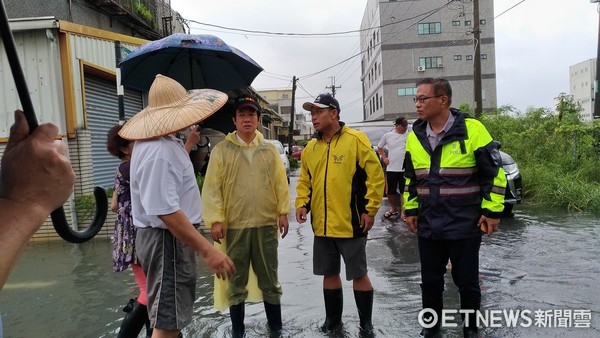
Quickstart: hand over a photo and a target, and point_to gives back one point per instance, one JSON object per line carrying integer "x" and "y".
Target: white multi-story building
{"x": 406, "y": 40}
{"x": 581, "y": 87}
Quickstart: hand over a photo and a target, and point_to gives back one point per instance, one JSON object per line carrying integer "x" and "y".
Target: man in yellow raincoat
{"x": 245, "y": 200}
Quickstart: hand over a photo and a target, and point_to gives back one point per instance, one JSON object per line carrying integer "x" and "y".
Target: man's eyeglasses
{"x": 422, "y": 99}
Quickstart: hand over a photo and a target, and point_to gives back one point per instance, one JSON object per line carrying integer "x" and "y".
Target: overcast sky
{"x": 536, "y": 42}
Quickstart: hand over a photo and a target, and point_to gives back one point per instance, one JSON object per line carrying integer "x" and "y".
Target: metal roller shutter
{"x": 102, "y": 113}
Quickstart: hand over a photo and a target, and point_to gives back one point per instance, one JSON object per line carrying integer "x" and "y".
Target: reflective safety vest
{"x": 451, "y": 186}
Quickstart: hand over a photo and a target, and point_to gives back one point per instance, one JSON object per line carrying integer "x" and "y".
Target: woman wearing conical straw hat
{"x": 166, "y": 202}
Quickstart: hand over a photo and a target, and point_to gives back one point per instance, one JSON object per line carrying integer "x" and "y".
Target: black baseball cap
{"x": 246, "y": 101}
{"x": 323, "y": 101}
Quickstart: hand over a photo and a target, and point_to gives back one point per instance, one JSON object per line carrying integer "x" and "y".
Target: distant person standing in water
{"x": 395, "y": 144}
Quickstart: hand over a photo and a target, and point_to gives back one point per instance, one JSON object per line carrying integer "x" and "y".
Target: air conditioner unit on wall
{"x": 421, "y": 68}
{"x": 440, "y": 65}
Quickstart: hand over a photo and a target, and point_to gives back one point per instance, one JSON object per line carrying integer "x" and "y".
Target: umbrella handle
{"x": 58, "y": 216}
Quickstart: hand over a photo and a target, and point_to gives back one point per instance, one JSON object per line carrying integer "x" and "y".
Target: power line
{"x": 301, "y": 34}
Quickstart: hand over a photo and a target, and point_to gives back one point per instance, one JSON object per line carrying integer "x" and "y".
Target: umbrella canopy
{"x": 195, "y": 61}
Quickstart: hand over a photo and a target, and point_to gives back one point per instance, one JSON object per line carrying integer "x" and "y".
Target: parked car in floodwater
{"x": 514, "y": 183}
{"x": 283, "y": 155}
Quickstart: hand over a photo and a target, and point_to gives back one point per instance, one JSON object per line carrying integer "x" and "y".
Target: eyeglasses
{"x": 422, "y": 99}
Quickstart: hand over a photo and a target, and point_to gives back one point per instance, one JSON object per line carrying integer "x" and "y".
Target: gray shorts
{"x": 327, "y": 252}
{"x": 171, "y": 269}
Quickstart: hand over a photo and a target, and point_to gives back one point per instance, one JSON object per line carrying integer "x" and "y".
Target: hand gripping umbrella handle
{"x": 58, "y": 216}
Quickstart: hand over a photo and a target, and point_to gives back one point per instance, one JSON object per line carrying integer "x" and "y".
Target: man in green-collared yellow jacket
{"x": 455, "y": 193}
{"x": 341, "y": 184}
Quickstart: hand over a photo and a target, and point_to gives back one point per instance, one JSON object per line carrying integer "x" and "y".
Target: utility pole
{"x": 477, "y": 61}
{"x": 292, "y": 113}
{"x": 333, "y": 87}
{"x": 596, "y": 112}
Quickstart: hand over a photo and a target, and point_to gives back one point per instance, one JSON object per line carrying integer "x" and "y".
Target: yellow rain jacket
{"x": 243, "y": 190}
{"x": 339, "y": 181}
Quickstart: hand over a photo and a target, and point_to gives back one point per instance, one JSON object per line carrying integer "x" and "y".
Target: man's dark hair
{"x": 441, "y": 86}
{"x": 114, "y": 142}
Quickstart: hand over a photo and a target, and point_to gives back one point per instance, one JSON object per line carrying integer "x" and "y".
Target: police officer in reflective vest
{"x": 455, "y": 192}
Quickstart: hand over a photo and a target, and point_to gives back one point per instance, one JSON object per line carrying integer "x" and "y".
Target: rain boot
{"x": 364, "y": 303}
{"x": 470, "y": 303}
{"x": 134, "y": 320}
{"x": 334, "y": 305}
{"x": 436, "y": 303}
{"x": 236, "y": 312}
{"x": 273, "y": 312}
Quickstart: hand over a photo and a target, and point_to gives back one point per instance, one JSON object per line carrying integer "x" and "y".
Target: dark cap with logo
{"x": 323, "y": 101}
{"x": 401, "y": 121}
{"x": 246, "y": 101}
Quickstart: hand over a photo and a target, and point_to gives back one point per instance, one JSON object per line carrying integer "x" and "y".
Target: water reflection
{"x": 542, "y": 259}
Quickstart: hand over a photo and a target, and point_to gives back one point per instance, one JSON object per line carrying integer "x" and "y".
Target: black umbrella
{"x": 195, "y": 61}
{"x": 58, "y": 216}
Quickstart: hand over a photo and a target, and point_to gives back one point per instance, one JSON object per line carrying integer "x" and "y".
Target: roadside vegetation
{"x": 558, "y": 156}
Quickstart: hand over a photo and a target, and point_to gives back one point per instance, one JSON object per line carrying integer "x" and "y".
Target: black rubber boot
{"x": 273, "y": 312}
{"x": 134, "y": 321}
{"x": 364, "y": 303}
{"x": 236, "y": 312}
{"x": 334, "y": 305}
{"x": 436, "y": 303}
{"x": 470, "y": 303}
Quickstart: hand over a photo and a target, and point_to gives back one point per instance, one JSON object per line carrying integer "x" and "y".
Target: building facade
{"x": 581, "y": 87}
{"x": 280, "y": 101}
{"x": 67, "y": 52}
{"x": 406, "y": 40}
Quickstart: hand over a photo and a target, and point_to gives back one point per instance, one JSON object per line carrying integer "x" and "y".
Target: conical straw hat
{"x": 170, "y": 109}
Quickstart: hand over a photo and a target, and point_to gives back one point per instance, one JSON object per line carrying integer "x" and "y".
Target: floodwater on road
{"x": 541, "y": 260}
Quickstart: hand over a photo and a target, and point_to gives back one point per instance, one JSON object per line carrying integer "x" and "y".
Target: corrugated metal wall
{"x": 39, "y": 57}
{"x": 102, "y": 113}
{"x": 98, "y": 52}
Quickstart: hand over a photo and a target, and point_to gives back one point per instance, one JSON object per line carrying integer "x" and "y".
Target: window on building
{"x": 285, "y": 96}
{"x": 483, "y": 56}
{"x": 455, "y": 23}
{"x": 381, "y": 102}
{"x": 467, "y": 22}
{"x": 457, "y": 57}
{"x": 430, "y": 28}
{"x": 407, "y": 91}
{"x": 469, "y": 57}
{"x": 377, "y": 101}
{"x": 431, "y": 62}
{"x": 482, "y": 22}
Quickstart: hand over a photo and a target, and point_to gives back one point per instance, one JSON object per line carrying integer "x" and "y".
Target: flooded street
{"x": 541, "y": 259}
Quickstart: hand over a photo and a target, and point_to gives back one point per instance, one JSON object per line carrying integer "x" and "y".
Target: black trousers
{"x": 464, "y": 256}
